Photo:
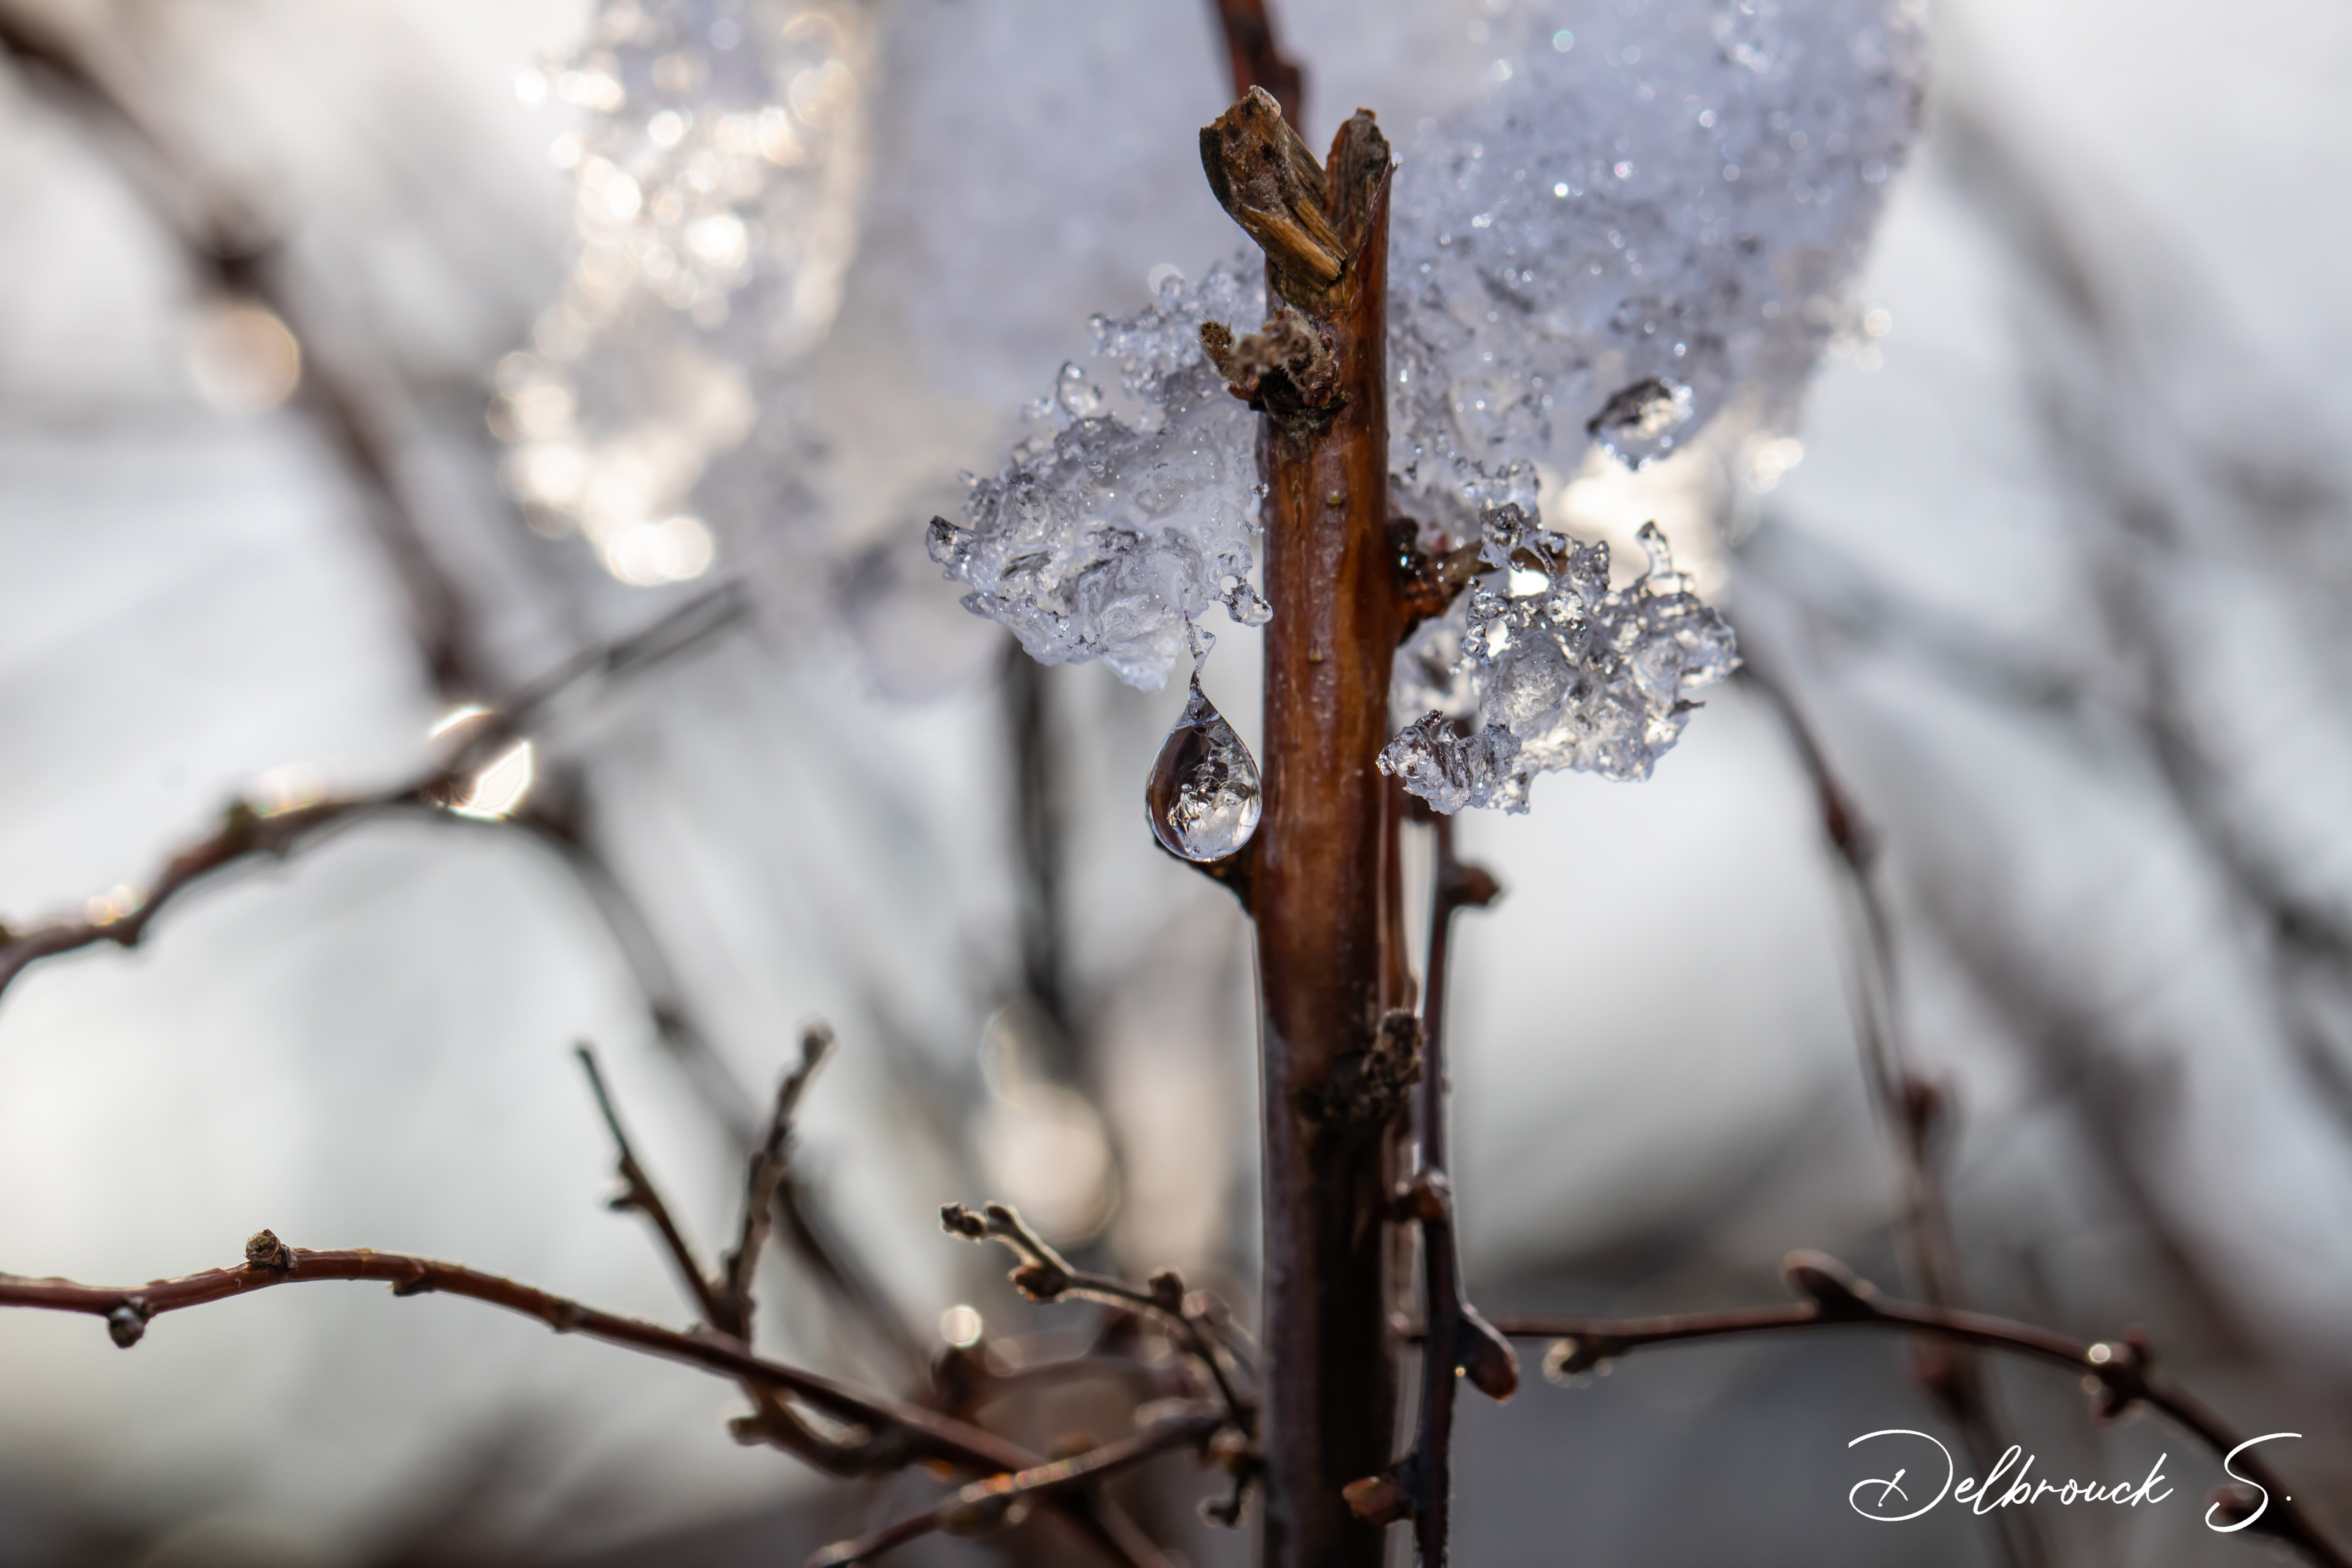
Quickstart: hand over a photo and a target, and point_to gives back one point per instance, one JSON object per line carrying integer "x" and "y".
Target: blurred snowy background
{"x": 2060, "y": 579}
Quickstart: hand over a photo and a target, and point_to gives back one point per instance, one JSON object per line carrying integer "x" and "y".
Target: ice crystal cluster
{"x": 1110, "y": 532}
{"x": 1652, "y": 217}
{"x": 716, "y": 169}
{"x": 1646, "y": 224}
{"x": 1568, "y": 672}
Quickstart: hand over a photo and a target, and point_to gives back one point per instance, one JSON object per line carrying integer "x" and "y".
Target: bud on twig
{"x": 126, "y": 1324}
{"x": 1487, "y": 1358}
{"x": 1039, "y": 1281}
{"x": 264, "y": 1250}
{"x": 1833, "y": 1288}
{"x": 1378, "y": 1500}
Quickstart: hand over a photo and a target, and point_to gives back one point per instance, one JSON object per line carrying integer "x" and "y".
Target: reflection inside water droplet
{"x": 1203, "y": 794}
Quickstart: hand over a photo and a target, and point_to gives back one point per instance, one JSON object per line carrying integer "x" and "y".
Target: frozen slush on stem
{"x": 1106, "y": 533}
{"x": 1570, "y": 673}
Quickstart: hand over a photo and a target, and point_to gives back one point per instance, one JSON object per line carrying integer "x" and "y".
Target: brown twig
{"x": 2120, "y": 1373}
{"x": 1255, "y": 55}
{"x": 1323, "y": 869}
{"x": 1913, "y": 1112}
{"x": 985, "y": 1506}
{"x": 222, "y": 244}
{"x": 769, "y": 1163}
{"x": 894, "y": 1434}
{"x": 248, "y": 834}
{"x": 358, "y": 414}
{"x": 1456, "y": 1340}
{"x": 638, "y": 1195}
{"x": 1044, "y": 1275}
{"x": 880, "y": 1434}
{"x": 726, "y": 1301}
{"x": 1430, "y": 582}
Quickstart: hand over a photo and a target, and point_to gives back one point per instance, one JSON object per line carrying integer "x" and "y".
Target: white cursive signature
{"x": 2005, "y": 1488}
{"x": 2227, "y": 1529}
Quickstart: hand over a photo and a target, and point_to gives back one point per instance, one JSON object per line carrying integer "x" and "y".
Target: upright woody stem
{"x": 1337, "y": 1058}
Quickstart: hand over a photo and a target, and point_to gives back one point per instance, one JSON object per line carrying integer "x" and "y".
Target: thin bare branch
{"x": 882, "y": 1434}
{"x": 639, "y": 1195}
{"x": 769, "y": 1163}
{"x": 223, "y": 247}
{"x": 903, "y": 1433}
{"x": 985, "y": 1506}
{"x": 2119, "y": 1372}
{"x": 248, "y": 834}
{"x": 1456, "y": 1340}
{"x": 1255, "y": 55}
{"x": 1912, "y": 1112}
{"x": 1044, "y": 1275}
{"x": 1429, "y": 583}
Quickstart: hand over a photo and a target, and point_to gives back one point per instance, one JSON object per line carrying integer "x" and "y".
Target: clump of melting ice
{"x": 1647, "y": 224}
{"x": 1651, "y": 215}
{"x": 718, "y": 170}
{"x": 1105, "y": 534}
{"x": 1570, "y": 673}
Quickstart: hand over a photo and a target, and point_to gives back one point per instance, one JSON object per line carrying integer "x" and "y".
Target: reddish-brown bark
{"x": 1323, "y": 882}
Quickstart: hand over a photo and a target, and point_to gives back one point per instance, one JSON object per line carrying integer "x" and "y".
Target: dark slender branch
{"x": 1255, "y": 55}
{"x": 558, "y": 818}
{"x": 882, "y": 1435}
{"x": 725, "y": 1301}
{"x": 2120, "y": 1373}
{"x": 1037, "y": 781}
{"x": 220, "y": 239}
{"x": 639, "y": 1195}
{"x": 1911, "y": 1110}
{"x": 887, "y": 1435}
{"x": 768, "y": 1166}
{"x": 897, "y": 1434}
{"x": 248, "y": 833}
{"x": 984, "y": 1506}
{"x": 856, "y": 1295}
{"x": 2067, "y": 1046}
{"x": 1044, "y": 1275}
{"x": 1456, "y": 1340}
{"x": 1429, "y": 583}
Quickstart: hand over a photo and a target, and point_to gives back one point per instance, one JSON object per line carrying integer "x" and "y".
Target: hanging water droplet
{"x": 1203, "y": 794}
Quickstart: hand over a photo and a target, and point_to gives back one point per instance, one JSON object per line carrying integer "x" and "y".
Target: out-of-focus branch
{"x": 1456, "y": 1341}
{"x": 725, "y": 1299}
{"x": 1044, "y": 1275}
{"x": 354, "y": 412}
{"x": 1254, "y": 55}
{"x": 1429, "y": 583}
{"x": 248, "y": 834}
{"x": 769, "y": 1163}
{"x": 2068, "y": 1045}
{"x": 2120, "y": 1374}
{"x": 638, "y": 1195}
{"x": 1912, "y": 1110}
{"x": 985, "y": 1506}
{"x": 222, "y": 246}
{"x": 1037, "y": 841}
